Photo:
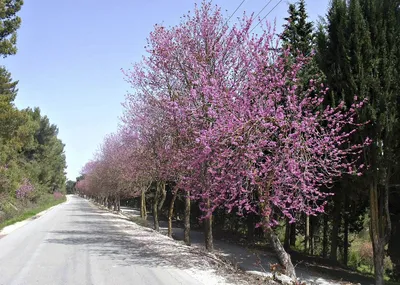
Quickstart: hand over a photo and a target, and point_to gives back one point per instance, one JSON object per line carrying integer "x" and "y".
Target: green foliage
{"x": 46, "y": 154}
{"x": 9, "y": 24}
{"x": 70, "y": 187}
{"x": 299, "y": 37}
{"x": 359, "y": 56}
{"x": 30, "y": 151}
{"x": 8, "y": 87}
{"x": 359, "y": 53}
{"x": 45, "y": 202}
{"x": 298, "y": 31}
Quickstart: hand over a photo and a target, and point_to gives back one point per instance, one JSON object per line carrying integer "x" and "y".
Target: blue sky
{"x": 70, "y": 55}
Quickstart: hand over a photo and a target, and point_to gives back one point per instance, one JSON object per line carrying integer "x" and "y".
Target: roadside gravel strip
{"x": 205, "y": 268}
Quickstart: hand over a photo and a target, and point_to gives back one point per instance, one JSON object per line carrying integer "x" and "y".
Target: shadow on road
{"x": 125, "y": 243}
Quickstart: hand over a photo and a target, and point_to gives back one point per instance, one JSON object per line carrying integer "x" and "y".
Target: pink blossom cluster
{"x": 24, "y": 189}
{"x": 219, "y": 111}
{"x": 58, "y": 195}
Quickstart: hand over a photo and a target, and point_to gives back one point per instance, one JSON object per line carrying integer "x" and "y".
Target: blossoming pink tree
{"x": 182, "y": 60}
{"x": 221, "y": 107}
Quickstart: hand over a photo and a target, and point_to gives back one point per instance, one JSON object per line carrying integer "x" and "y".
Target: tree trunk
{"x": 325, "y": 237}
{"x": 293, "y": 235}
{"x": 380, "y": 227}
{"x": 115, "y": 204}
{"x": 312, "y": 229}
{"x": 250, "y": 226}
{"x": 394, "y": 245}
{"x": 208, "y": 236}
{"x": 171, "y": 212}
{"x": 283, "y": 256}
{"x": 163, "y": 193}
{"x": 335, "y": 227}
{"x": 286, "y": 243}
{"x": 379, "y": 254}
{"x": 119, "y": 204}
{"x": 346, "y": 232}
{"x": 155, "y": 208}
{"x": 109, "y": 203}
{"x": 307, "y": 236}
{"x": 143, "y": 211}
{"x": 186, "y": 230}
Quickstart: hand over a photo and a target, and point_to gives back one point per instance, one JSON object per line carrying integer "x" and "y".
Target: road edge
{"x": 219, "y": 260}
{"x": 10, "y": 228}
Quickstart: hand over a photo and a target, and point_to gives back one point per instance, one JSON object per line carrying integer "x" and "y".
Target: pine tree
{"x": 290, "y": 35}
{"x": 304, "y": 30}
{"x": 298, "y": 31}
{"x": 9, "y": 117}
{"x": 8, "y": 88}
{"x": 299, "y": 37}
{"x": 9, "y": 24}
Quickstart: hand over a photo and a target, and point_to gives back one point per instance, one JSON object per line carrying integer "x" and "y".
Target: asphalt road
{"x": 76, "y": 243}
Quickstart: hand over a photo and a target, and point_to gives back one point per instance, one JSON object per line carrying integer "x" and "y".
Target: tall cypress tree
{"x": 360, "y": 58}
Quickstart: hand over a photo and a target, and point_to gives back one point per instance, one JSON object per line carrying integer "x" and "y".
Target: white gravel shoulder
{"x": 204, "y": 267}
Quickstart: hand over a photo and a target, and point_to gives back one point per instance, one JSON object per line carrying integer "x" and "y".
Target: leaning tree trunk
{"x": 283, "y": 256}
{"x": 155, "y": 208}
{"x": 380, "y": 227}
{"x": 171, "y": 212}
{"x": 186, "y": 230}
{"x": 208, "y": 235}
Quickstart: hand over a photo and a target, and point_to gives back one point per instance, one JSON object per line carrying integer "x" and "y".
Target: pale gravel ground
{"x": 248, "y": 259}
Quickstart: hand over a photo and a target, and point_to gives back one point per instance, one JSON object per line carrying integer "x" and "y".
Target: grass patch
{"x": 28, "y": 213}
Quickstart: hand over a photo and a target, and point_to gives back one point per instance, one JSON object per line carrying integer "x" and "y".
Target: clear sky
{"x": 70, "y": 55}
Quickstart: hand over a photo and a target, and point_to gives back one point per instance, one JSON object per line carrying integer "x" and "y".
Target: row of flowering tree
{"x": 219, "y": 113}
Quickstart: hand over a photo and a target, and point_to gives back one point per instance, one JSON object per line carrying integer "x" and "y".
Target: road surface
{"x": 76, "y": 243}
